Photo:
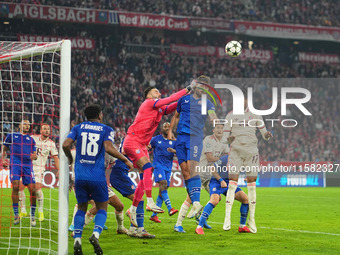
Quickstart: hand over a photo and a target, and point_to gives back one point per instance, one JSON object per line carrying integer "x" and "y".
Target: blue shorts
{"x": 188, "y": 147}
{"x": 123, "y": 184}
{"x": 24, "y": 172}
{"x": 91, "y": 190}
{"x": 162, "y": 174}
{"x": 215, "y": 187}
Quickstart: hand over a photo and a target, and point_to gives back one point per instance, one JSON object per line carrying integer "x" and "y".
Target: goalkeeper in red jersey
{"x": 138, "y": 138}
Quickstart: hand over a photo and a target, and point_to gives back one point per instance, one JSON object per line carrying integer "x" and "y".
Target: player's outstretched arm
{"x": 174, "y": 97}
{"x": 110, "y": 149}
{"x": 67, "y": 145}
{"x": 173, "y": 124}
{"x": 170, "y": 108}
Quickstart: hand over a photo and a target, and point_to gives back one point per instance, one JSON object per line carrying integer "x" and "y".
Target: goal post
{"x": 65, "y": 102}
{"x": 35, "y": 85}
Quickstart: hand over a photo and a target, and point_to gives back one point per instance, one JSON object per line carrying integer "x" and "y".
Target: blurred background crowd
{"x": 125, "y": 61}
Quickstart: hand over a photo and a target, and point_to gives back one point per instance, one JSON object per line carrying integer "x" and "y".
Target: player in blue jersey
{"x": 189, "y": 143}
{"x": 163, "y": 154}
{"x": 121, "y": 181}
{"x": 219, "y": 185}
{"x": 93, "y": 140}
{"x": 22, "y": 151}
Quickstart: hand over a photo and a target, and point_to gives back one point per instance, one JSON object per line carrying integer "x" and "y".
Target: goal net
{"x": 35, "y": 90}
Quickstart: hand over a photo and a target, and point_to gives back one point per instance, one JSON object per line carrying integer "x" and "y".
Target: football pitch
{"x": 289, "y": 221}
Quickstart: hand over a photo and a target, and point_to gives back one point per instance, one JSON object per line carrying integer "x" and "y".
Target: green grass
{"x": 288, "y": 220}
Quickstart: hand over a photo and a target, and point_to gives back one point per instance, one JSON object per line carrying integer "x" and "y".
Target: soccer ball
{"x": 233, "y": 48}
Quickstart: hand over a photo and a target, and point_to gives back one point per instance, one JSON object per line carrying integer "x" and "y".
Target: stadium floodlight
{"x": 35, "y": 85}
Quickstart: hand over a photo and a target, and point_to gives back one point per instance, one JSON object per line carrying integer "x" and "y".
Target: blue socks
{"x": 140, "y": 214}
{"x": 205, "y": 214}
{"x": 16, "y": 209}
{"x": 244, "y": 213}
{"x": 166, "y": 199}
{"x": 99, "y": 221}
{"x": 79, "y": 220}
{"x": 159, "y": 203}
{"x": 160, "y": 199}
{"x": 33, "y": 210}
{"x": 194, "y": 188}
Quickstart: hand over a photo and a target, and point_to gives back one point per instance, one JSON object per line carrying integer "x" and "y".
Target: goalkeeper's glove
{"x": 192, "y": 85}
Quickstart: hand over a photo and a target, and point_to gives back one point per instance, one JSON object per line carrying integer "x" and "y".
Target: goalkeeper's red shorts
{"x": 134, "y": 150}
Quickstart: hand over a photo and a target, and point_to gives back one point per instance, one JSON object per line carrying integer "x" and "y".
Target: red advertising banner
{"x": 78, "y": 43}
{"x": 287, "y": 31}
{"x": 247, "y": 54}
{"x": 58, "y": 13}
{"x": 129, "y": 19}
{"x": 193, "y": 50}
{"x": 209, "y": 23}
{"x": 319, "y": 58}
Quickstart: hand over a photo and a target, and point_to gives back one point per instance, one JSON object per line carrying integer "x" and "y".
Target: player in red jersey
{"x": 138, "y": 138}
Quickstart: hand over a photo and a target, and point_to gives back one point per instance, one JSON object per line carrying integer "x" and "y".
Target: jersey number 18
{"x": 89, "y": 145}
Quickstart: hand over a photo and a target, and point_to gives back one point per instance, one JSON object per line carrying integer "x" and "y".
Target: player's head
{"x": 45, "y": 130}
{"x": 202, "y": 81}
{"x": 24, "y": 126}
{"x": 165, "y": 128}
{"x": 93, "y": 112}
{"x": 152, "y": 93}
{"x": 218, "y": 130}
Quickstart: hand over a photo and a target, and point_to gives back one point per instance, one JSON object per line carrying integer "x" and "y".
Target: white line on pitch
{"x": 281, "y": 229}
{"x": 290, "y": 230}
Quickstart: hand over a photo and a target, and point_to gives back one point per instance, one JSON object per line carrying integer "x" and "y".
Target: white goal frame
{"x": 64, "y": 125}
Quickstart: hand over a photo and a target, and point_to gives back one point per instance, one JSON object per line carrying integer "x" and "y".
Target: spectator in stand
{"x": 308, "y": 12}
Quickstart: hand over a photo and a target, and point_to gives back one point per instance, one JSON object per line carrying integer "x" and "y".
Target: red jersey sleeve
{"x": 165, "y": 101}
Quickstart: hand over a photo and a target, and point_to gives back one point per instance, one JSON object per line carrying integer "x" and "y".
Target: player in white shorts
{"x": 45, "y": 147}
{"x": 243, "y": 156}
{"x": 213, "y": 150}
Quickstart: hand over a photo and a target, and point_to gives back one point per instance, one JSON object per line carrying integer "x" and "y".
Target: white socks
{"x": 230, "y": 198}
{"x": 120, "y": 219}
{"x": 252, "y": 199}
{"x": 40, "y": 200}
{"x": 149, "y": 200}
{"x": 88, "y": 218}
{"x": 78, "y": 239}
{"x": 22, "y": 201}
{"x": 96, "y": 234}
{"x": 182, "y": 213}
{"x": 196, "y": 203}
{"x": 133, "y": 209}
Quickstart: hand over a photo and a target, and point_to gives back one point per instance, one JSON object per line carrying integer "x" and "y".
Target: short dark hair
{"x": 147, "y": 90}
{"x": 204, "y": 79}
{"x": 92, "y": 111}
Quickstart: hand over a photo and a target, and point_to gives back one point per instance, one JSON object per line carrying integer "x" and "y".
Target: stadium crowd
{"x": 309, "y": 12}
{"x": 115, "y": 75}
